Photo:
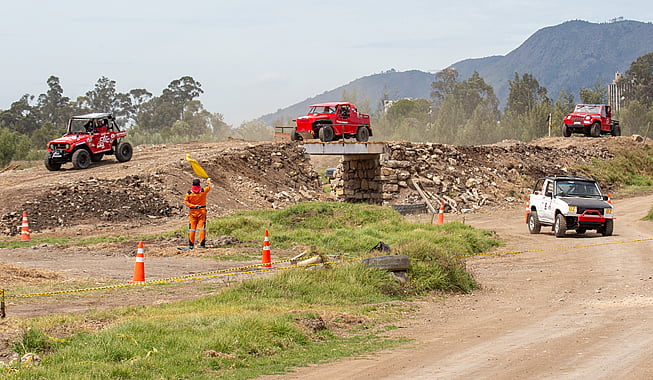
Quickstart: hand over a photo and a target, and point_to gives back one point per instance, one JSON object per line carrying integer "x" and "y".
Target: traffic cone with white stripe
{"x": 139, "y": 267}
{"x": 441, "y": 213}
{"x": 266, "y": 261}
{"x": 24, "y": 228}
{"x": 609, "y": 198}
{"x": 528, "y": 208}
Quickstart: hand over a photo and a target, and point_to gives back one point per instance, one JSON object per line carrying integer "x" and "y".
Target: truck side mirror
{"x": 548, "y": 194}
{"x": 605, "y": 197}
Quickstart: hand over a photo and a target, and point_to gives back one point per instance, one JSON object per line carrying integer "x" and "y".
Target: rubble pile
{"x": 469, "y": 177}
{"x": 93, "y": 200}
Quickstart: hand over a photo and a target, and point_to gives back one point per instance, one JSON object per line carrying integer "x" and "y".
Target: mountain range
{"x": 570, "y": 56}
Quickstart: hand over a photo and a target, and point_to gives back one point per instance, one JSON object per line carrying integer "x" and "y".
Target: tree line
{"x": 176, "y": 115}
{"x": 466, "y": 112}
{"x": 462, "y": 112}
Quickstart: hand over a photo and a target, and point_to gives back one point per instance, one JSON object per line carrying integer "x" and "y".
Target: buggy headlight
{"x": 607, "y": 211}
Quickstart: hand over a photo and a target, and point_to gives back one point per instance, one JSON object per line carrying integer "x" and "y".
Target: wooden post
{"x": 2, "y": 303}
{"x": 419, "y": 190}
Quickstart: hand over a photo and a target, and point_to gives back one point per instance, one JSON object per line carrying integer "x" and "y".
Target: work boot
{"x": 202, "y": 246}
{"x": 190, "y": 246}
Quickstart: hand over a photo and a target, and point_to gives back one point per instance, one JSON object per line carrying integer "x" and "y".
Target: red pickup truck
{"x": 591, "y": 120}
{"x": 332, "y": 121}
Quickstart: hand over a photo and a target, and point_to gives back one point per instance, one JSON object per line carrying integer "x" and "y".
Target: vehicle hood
{"x": 586, "y": 202}
{"x": 71, "y": 138}
{"x": 583, "y": 114}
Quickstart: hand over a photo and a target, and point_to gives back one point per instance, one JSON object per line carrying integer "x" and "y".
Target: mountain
{"x": 569, "y": 56}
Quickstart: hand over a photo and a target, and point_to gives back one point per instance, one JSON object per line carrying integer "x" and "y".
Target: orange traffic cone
{"x": 528, "y": 208}
{"x": 441, "y": 213}
{"x": 609, "y": 199}
{"x": 24, "y": 228}
{"x": 265, "y": 259}
{"x": 139, "y": 267}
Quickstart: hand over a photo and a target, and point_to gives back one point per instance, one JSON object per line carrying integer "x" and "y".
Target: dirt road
{"x": 560, "y": 313}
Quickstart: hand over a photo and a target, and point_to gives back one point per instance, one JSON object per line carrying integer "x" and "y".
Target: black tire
{"x": 388, "y": 262}
{"x": 608, "y": 228}
{"x": 616, "y": 130}
{"x": 565, "y": 130}
{"x": 97, "y": 157}
{"x": 560, "y": 226}
{"x": 49, "y": 164}
{"x": 362, "y": 134}
{"x": 326, "y": 133}
{"x": 124, "y": 152}
{"x": 294, "y": 136}
{"x": 595, "y": 129}
{"x": 534, "y": 225}
{"x": 580, "y": 231}
{"x": 81, "y": 159}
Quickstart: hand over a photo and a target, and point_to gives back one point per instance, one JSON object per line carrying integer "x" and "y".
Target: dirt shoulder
{"x": 578, "y": 307}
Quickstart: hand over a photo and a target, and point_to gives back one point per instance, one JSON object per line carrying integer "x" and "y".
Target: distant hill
{"x": 571, "y": 55}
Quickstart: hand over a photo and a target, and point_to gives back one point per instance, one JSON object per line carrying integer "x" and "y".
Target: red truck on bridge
{"x": 332, "y": 121}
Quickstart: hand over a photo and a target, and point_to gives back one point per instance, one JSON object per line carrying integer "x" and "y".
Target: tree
{"x": 640, "y": 75}
{"x": 13, "y": 145}
{"x": 525, "y": 94}
{"x": 596, "y": 95}
{"x": 103, "y": 97}
{"x": 20, "y": 117}
{"x": 254, "y": 130}
{"x": 53, "y": 106}
{"x": 444, "y": 83}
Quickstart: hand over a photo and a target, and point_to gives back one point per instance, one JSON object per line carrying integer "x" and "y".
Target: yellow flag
{"x": 196, "y": 167}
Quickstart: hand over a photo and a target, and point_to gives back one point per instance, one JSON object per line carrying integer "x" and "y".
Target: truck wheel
{"x": 294, "y": 136}
{"x": 49, "y": 164}
{"x": 565, "y": 130}
{"x": 560, "y": 226}
{"x": 81, "y": 159}
{"x": 616, "y": 130}
{"x": 595, "y": 129}
{"x": 124, "y": 152}
{"x": 608, "y": 228}
{"x": 534, "y": 225}
{"x": 97, "y": 157}
{"x": 326, "y": 133}
{"x": 362, "y": 134}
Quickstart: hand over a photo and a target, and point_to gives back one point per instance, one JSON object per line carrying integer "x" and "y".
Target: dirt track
{"x": 559, "y": 313}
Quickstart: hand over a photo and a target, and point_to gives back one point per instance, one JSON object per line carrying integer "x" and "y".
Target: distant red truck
{"x": 332, "y": 121}
{"x": 591, "y": 120}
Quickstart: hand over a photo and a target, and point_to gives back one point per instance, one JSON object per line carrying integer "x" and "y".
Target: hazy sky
{"x": 254, "y": 57}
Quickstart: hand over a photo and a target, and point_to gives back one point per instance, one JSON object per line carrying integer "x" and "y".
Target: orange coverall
{"x": 196, "y": 202}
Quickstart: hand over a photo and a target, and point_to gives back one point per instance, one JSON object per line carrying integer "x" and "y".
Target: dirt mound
{"x": 148, "y": 190}
{"x": 10, "y": 274}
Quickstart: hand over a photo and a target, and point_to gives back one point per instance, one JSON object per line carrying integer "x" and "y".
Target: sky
{"x": 254, "y": 57}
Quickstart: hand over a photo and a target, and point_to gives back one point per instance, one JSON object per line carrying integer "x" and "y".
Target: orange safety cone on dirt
{"x": 441, "y": 213}
{"x": 265, "y": 255}
{"x": 139, "y": 267}
{"x": 609, "y": 198}
{"x": 528, "y": 209}
{"x": 24, "y": 228}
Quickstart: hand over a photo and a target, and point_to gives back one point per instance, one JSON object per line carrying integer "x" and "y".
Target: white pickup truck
{"x": 569, "y": 203}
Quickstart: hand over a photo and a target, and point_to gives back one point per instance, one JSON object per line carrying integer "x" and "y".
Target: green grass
{"x": 649, "y": 216}
{"x": 262, "y": 325}
{"x": 629, "y": 168}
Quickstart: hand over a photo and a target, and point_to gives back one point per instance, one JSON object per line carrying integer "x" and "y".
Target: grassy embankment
{"x": 631, "y": 172}
{"x": 263, "y": 325}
